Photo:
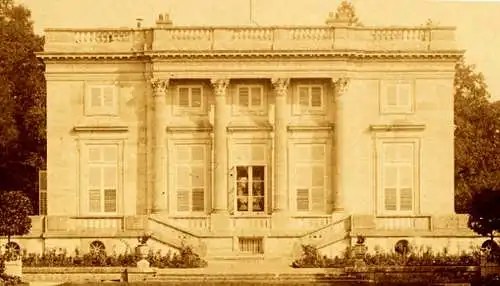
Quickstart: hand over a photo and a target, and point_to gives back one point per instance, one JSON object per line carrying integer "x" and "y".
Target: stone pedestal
{"x": 14, "y": 268}
{"x": 219, "y": 222}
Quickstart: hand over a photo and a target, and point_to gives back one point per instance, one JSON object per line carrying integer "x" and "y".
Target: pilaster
{"x": 160, "y": 89}
{"x": 340, "y": 86}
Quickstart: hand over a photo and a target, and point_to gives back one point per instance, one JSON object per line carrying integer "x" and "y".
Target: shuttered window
{"x": 191, "y": 178}
{"x": 310, "y": 173}
{"x": 190, "y": 97}
{"x": 101, "y": 100}
{"x": 42, "y": 192}
{"x": 250, "y": 98}
{"x": 102, "y": 175}
{"x": 398, "y": 176}
{"x": 310, "y": 98}
{"x": 397, "y": 97}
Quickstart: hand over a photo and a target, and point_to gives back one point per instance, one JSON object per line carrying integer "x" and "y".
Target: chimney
{"x": 163, "y": 21}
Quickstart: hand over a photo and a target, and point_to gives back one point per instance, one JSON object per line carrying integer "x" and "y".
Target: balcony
{"x": 249, "y": 39}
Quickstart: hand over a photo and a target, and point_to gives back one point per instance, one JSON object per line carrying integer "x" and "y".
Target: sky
{"x": 477, "y": 22}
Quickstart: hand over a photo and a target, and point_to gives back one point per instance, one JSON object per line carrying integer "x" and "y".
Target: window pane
{"x": 258, "y": 204}
{"x": 110, "y": 200}
{"x": 316, "y": 98}
{"x": 94, "y": 201}
{"x": 318, "y": 199}
{"x": 405, "y": 176}
{"x": 110, "y": 153}
{"x": 390, "y": 152}
{"x": 304, "y": 97}
{"x": 302, "y": 199}
{"x": 196, "y": 97}
{"x": 95, "y": 97}
{"x": 183, "y": 200}
{"x": 183, "y": 176}
{"x": 242, "y": 172}
{"x": 243, "y": 96}
{"x": 256, "y": 97}
{"x": 390, "y": 176}
{"x": 390, "y": 199}
{"x": 108, "y": 98}
{"x": 94, "y": 177}
{"x": 183, "y": 153}
{"x": 184, "y": 97}
{"x": 198, "y": 199}
{"x": 94, "y": 154}
{"x": 391, "y": 95}
{"x": 197, "y": 176}
{"x": 258, "y": 188}
{"x": 405, "y": 152}
{"x": 406, "y": 199}
{"x": 303, "y": 176}
{"x": 42, "y": 180}
{"x": 303, "y": 153}
{"x": 258, "y": 173}
{"x": 110, "y": 177}
{"x": 318, "y": 152}
{"x": 197, "y": 153}
{"x": 242, "y": 203}
{"x": 318, "y": 176}
{"x": 43, "y": 203}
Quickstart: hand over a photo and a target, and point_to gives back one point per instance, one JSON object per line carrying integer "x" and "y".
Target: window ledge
{"x": 250, "y": 125}
{"x": 311, "y": 126}
{"x": 190, "y": 125}
{"x": 100, "y": 128}
{"x": 404, "y": 126}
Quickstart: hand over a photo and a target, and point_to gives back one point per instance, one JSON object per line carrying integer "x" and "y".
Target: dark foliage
{"x": 484, "y": 213}
{"x": 15, "y": 208}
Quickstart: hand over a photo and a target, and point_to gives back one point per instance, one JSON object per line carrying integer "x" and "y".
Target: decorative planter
{"x": 359, "y": 251}
{"x": 14, "y": 267}
{"x": 142, "y": 251}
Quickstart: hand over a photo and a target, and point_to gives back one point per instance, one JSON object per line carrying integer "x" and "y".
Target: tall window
{"x": 310, "y": 98}
{"x": 309, "y": 177}
{"x": 190, "y": 97}
{"x": 250, "y": 186}
{"x": 102, "y": 184}
{"x": 250, "y": 98}
{"x": 397, "y": 97}
{"x": 191, "y": 178}
{"x": 101, "y": 100}
{"x": 398, "y": 176}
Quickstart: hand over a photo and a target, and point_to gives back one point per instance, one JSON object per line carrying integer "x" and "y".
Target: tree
{"x": 22, "y": 101}
{"x": 15, "y": 209}
{"x": 477, "y": 127}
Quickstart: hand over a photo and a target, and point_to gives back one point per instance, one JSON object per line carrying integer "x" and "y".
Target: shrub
{"x": 186, "y": 258}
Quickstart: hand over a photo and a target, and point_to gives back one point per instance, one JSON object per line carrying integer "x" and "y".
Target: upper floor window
{"x": 190, "y": 98}
{"x": 398, "y": 176}
{"x": 250, "y": 98}
{"x": 397, "y": 97}
{"x": 101, "y": 100}
{"x": 310, "y": 98}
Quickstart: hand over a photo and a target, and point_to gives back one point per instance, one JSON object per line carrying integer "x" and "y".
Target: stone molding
{"x": 280, "y": 85}
{"x": 340, "y": 85}
{"x": 220, "y": 86}
{"x": 160, "y": 86}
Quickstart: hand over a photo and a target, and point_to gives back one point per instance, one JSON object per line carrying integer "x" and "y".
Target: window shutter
{"x": 317, "y": 190}
{"x": 391, "y": 94}
{"x": 198, "y": 198}
{"x": 110, "y": 200}
{"x": 94, "y": 201}
{"x": 304, "y": 97}
{"x": 243, "y": 97}
{"x": 406, "y": 199}
{"x": 95, "y": 97}
{"x": 231, "y": 195}
{"x": 256, "y": 97}
{"x": 390, "y": 199}
{"x": 184, "y": 97}
{"x": 196, "y": 97}
{"x": 42, "y": 192}
{"x": 316, "y": 97}
{"x": 183, "y": 200}
{"x": 302, "y": 200}
{"x": 94, "y": 178}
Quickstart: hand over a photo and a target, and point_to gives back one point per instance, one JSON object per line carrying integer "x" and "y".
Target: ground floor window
{"x": 250, "y": 186}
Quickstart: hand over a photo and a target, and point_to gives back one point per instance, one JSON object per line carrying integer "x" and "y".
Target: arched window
{"x": 97, "y": 246}
{"x": 13, "y": 247}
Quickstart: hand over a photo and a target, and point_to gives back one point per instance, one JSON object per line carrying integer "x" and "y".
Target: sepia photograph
{"x": 249, "y": 142}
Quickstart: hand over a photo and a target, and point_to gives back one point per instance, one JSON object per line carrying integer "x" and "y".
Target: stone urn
{"x": 142, "y": 251}
{"x": 359, "y": 251}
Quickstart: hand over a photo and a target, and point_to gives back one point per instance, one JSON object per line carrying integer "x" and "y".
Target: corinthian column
{"x": 280, "y": 144}
{"x": 340, "y": 86}
{"x": 160, "y": 87}
{"x": 220, "y": 146}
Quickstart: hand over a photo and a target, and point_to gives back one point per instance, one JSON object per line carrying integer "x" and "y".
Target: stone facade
{"x": 250, "y": 140}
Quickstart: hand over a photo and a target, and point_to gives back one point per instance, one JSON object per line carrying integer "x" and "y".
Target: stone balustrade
{"x": 213, "y": 39}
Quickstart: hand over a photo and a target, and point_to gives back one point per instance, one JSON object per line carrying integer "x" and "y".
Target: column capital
{"x": 159, "y": 85}
{"x": 280, "y": 85}
{"x": 220, "y": 85}
{"x": 340, "y": 85}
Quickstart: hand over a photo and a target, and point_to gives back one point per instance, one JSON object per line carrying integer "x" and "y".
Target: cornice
{"x": 351, "y": 54}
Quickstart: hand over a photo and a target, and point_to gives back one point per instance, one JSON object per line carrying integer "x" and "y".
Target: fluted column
{"x": 340, "y": 86}
{"x": 280, "y": 144}
{"x": 160, "y": 87}
{"x": 220, "y": 146}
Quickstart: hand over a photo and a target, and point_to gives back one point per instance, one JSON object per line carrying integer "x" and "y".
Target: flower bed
{"x": 186, "y": 258}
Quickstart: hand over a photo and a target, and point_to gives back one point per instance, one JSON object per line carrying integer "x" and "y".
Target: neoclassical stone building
{"x": 250, "y": 140}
